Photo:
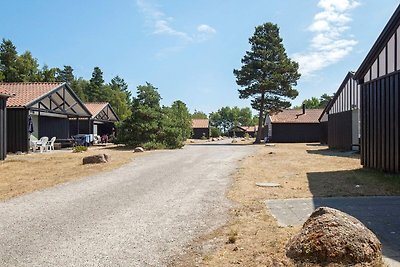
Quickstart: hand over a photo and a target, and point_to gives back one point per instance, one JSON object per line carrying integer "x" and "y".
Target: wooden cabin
{"x": 340, "y": 120}
{"x": 240, "y": 131}
{"x": 101, "y": 123}
{"x": 201, "y": 128}
{"x": 40, "y": 109}
{"x": 294, "y": 126}
{"x": 379, "y": 80}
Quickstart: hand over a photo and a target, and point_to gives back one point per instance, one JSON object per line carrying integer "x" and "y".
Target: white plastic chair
{"x": 43, "y": 144}
{"x": 50, "y": 145}
{"x": 33, "y": 142}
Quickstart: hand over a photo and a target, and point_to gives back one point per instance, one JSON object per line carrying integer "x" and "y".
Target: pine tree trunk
{"x": 260, "y": 120}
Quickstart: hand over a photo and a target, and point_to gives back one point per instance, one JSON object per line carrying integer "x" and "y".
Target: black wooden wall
{"x": 198, "y": 133}
{"x": 17, "y": 130}
{"x": 380, "y": 140}
{"x": 53, "y": 126}
{"x": 296, "y": 132}
{"x": 340, "y": 130}
{"x": 85, "y": 127}
{"x": 3, "y": 129}
{"x": 324, "y": 132}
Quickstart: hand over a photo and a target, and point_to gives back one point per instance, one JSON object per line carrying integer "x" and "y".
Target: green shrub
{"x": 153, "y": 146}
{"x": 79, "y": 149}
{"x": 203, "y": 137}
{"x": 215, "y": 132}
{"x": 246, "y": 136}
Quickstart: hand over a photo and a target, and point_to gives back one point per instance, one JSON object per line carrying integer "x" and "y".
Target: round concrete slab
{"x": 268, "y": 184}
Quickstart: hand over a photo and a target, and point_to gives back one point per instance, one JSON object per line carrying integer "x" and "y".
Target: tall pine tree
{"x": 267, "y": 74}
{"x": 8, "y": 59}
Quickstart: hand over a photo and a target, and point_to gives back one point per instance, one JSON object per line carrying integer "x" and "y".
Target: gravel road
{"x": 139, "y": 215}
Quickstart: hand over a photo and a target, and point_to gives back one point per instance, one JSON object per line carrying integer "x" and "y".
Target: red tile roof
{"x": 25, "y": 93}
{"x": 95, "y": 107}
{"x": 297, "y": 116}
{"x": 199, "y": 123}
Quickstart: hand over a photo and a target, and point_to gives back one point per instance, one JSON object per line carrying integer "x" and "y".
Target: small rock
{"x": 139, "y": 149}
{"x": 269, "y": 144}
{"x": 270, "y": 153}
{"x": 268, "y": 184}
{"x": 234, "y": 141}
{"x": 96, "y": 159}
{"x": 332, "y": 236}
{"x": 18, "y": 153}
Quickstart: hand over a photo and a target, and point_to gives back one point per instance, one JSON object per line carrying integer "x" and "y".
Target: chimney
{"x": 304, "y": 109}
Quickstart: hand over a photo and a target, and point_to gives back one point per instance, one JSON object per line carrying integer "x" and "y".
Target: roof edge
{"x": 349, "y": 75}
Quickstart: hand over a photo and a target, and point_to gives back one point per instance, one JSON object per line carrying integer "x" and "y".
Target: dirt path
{"x": 138, "y": 215}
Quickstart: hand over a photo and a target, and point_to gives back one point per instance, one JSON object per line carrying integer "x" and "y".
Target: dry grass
{"x": 303, "y": 171}
{"x": 21, "y": 174}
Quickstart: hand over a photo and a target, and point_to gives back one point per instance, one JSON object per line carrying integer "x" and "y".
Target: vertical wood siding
{"x": 3, "y": 129}
{"x": 380, "y": 123}
{"x": 324, "y": 132}
{"x": 17, "y": 130}
{"x": 52, "y": 126}
{"x": 340, "y": 130}
{"x": 296, "y": 132}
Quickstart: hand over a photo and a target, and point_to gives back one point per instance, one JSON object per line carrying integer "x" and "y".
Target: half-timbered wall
{"x": 348, "y": 99}
{"x": 388, "y": 60}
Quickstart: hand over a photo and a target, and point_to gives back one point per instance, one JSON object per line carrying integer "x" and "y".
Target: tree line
{"x": 15, "y": 67}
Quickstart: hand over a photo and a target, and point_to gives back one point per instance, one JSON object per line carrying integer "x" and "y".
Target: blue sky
{"x": 188, "y": 49}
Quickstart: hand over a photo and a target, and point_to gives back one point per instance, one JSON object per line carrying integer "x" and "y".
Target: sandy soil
{"x": 21, "y": 174}
{"x": 252, "y": 236}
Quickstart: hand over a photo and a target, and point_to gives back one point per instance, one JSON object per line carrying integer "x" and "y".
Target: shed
{"x": 201, "y": 128}
{"x": 379, "y": 78}
{"x": 4, "y": 95}
{"x": 294, "y": 126}
{"x": 40, "y": 109}
{"x": 101, "y": 123}
{"x": 240, "y": 131}
{"x": 341, "y": 117}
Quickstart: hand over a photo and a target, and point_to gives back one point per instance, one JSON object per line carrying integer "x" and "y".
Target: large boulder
{"x": 96, "y": 159}
{"x": 332, "y": 236}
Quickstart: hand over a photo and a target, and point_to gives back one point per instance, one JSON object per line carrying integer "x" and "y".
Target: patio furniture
{"x": 50, "y": 145}
{"x": 33, "y": 143}
{"x": 42, "y": 144}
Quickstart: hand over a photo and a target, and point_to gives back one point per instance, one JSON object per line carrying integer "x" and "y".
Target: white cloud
{"x": 161, "y": 24}
{"x": 329, "y": 44}
{"x": 204, "y": 28}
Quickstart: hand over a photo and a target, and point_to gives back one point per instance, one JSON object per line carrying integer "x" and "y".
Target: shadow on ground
{"x": 333, "y": 153}
{"x": 380, "y": 214}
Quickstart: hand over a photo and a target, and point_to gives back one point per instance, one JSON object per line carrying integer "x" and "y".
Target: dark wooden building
{"x": 40, "y": 109}
{"x": 240, "y": 131}
{"x": 201, "y": 128}
{"x": 101, "y": 123}
{"x": 294, "y": 126}
{"x": 379, "y": 78}
{"x": 340, "y": 120}
{"x": 4, "y": 95}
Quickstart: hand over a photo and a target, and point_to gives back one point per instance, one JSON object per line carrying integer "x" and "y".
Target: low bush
{"x": 153, "y": 146}
{"x": 246, "y": 136}
{"x": 79, "y": 149}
